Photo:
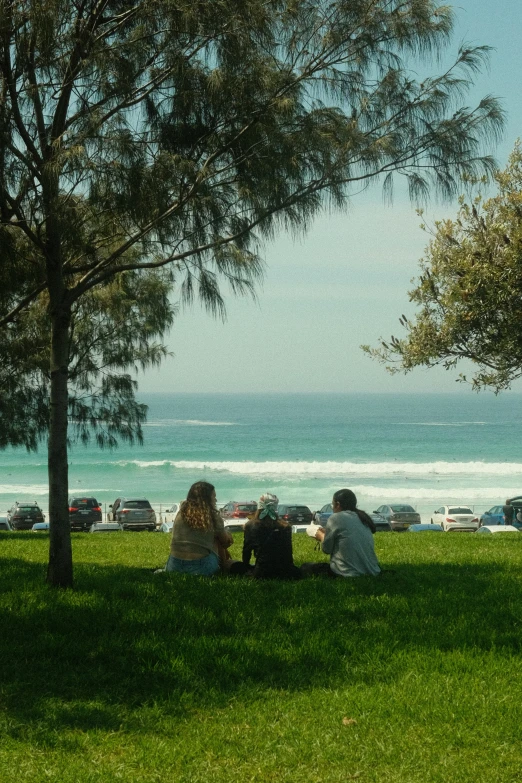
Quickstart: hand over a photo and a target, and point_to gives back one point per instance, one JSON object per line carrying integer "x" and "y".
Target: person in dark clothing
{"x": 509, "y": 513}
{"x": 270, "y": 540}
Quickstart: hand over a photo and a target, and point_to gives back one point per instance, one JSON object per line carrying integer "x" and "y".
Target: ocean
{"x": 423, "y": 449}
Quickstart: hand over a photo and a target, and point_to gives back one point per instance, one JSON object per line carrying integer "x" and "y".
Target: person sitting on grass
{"x": 197, "y": 533}
{"x": 348, "y": 539}
{"x": 270, "y": 540}
{"x": 509, "y": 512}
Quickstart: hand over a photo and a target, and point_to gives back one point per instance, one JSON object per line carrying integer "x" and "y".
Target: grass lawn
{"x": 137, "y": 677}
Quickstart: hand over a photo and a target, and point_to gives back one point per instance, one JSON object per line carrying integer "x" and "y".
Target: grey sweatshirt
{"x": 350, "y": 546}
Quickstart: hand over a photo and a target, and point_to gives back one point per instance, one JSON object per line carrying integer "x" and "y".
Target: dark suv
{"x": 22, "y": 516}
{"x": 295, "y": 515}
{"x": 83, "y": 512}
{"x": 133, "y": 514}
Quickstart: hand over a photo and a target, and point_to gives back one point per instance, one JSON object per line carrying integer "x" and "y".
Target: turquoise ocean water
{"x": 424, "y": 449}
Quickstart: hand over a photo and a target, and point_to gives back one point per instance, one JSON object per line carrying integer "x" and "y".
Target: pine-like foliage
{"x": 115, "y": 328}
{"x": 183, "y": 128}
{"x": 178, "y": 134}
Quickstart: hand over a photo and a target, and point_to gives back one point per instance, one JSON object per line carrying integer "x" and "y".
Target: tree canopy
{"x": 151, "y": 134}
{"x": 469, "y": 292}
{"x": 114, "y": 328}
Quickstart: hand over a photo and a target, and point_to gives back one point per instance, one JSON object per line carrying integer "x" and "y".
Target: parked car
{"x": 497, "y": 529}
{"x": 454, "y": 518}
{"x": 236, "y": 514}
{"x": 106, "y": 527}
{"x": 133, "y": 514}
{"x": 83, "y": 512}
{"x": 381, "y": 525}
{"x": 23, "y": 515}
{"x": 38, "y": 526}
{"x": 399, "y": 515}
{"x": 321, "y": 517}
{"x": 4, "y": 524}
{"x": 238, "y": 509}
{"x": 425, "y": 527}
{"x": 169, "y": 515}
{"x": 294, "y": 514}
{"x": 495, "y": 516}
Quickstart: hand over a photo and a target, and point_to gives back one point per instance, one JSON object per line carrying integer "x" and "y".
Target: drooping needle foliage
{"x": 139, "y": 135}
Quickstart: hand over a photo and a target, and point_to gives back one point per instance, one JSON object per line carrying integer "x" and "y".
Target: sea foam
{"x": 345, "y": 469}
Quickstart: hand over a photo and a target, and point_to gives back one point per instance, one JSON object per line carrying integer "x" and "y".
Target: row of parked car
{"x": 85, "y": 514}
{"x": 388, "y": 517}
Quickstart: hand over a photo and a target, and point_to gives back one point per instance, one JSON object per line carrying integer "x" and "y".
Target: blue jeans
{"x": 205, "y": 566}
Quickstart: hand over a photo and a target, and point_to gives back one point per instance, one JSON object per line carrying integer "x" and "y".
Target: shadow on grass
{"x": 128, "y": 639}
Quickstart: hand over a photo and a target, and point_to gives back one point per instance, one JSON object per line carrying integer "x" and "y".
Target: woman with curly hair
{"x": 197, "y": 532}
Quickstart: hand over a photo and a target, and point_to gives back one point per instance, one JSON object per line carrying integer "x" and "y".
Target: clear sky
{"x": 346, "y": 281}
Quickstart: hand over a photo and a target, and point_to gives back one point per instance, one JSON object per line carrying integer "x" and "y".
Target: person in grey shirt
{"x": 348, "y": 539}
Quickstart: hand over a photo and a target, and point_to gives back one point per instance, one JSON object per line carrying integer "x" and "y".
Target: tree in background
{"x": 469, "y": 293}
{"x": 149, "y": 134}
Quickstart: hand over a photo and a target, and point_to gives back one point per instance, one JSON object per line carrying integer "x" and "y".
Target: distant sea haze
{"x": 423, "y": 449}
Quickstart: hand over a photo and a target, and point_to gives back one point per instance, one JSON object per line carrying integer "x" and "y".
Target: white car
{"x": 169, "y": 515}
{"x": 106, "y": 527}
{"x": 40, "y": 526}
{"x": 452, "y": 518}
{"x": 497, "y": 529}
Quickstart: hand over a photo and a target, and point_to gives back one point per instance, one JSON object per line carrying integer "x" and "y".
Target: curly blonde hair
{"x": 199, "y": 510}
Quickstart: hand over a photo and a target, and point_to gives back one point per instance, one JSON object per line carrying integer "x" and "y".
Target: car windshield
{"x": 85, "y": 502}
{"x": 26, "y": 509}
{"x": 299, "y": 509}
{"x": 402, "y": 508}
{"x": 137, "y": 504}
{"x": 247, "y": 507}
{"x": 459, "y": 510}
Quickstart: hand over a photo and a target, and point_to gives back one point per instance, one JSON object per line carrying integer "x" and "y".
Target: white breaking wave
{"x": 26, "y": 491}
{"x": 22, "y": 489}
{"x": 345, "y": 469}
{"x": 439, "y": 496}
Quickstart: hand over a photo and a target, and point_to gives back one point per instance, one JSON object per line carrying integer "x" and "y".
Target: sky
{"x": 346, "y": 281}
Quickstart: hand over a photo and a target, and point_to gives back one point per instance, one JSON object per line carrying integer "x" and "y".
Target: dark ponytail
{"x": 348, "y": 502}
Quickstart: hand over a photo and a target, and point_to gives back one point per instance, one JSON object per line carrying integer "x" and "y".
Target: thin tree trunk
{"x": 60, "y": 569}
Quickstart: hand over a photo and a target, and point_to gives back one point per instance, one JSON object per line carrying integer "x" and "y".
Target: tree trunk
{"x": 60, "y": 569}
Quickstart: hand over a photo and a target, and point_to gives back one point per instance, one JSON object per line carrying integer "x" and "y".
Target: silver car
{"x": 133, "y": 514}
{"x": 399, "y": 515}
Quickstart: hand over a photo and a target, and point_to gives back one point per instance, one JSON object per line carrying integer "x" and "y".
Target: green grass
{"x": 137, "y": 677}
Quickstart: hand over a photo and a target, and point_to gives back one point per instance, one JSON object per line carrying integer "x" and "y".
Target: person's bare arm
{"x": 319, "y": 534}
{"x": 225, "y": 538}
